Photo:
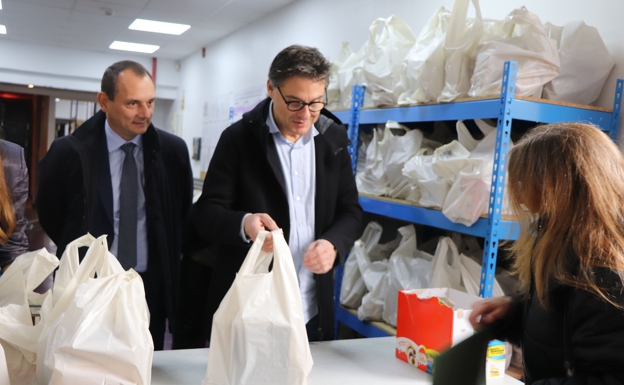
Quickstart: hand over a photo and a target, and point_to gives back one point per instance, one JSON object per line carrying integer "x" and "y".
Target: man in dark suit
{"x": 119, "y": 175}
{"x": 284, "y": 165}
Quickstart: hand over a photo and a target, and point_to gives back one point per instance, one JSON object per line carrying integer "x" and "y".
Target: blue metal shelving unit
{"x": 505, "y": 109}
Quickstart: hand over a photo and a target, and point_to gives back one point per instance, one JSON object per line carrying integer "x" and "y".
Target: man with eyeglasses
{"x": 284, "y": 165}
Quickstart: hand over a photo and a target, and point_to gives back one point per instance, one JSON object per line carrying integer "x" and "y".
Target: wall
{"x": 242, "y": 59}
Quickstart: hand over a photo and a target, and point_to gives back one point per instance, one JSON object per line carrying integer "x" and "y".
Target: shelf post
{"x": 357, "y": 100}
{"x": 495, "y": 205}
{"x": 617, "y": 103}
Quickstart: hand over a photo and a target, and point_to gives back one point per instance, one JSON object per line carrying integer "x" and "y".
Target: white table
{"x": 366, "y": 361}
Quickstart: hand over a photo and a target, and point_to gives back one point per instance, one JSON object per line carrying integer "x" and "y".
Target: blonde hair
{"x": 571, "y": 175}
{"x": 7, "y": 214}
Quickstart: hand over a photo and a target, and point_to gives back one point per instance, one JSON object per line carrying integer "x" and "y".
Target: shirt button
{"x": 298, "y": 198}
{"x": 296, "y": 172}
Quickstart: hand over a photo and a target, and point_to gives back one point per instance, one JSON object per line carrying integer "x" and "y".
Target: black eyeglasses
{"x": 297, "y": 105}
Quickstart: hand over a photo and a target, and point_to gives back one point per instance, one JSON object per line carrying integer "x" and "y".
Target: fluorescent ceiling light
{"x": 2, "y": 29}
{"x": 158, "y": 27}
{"x": 134, "y": 47}
{"x": 0, "y": 4}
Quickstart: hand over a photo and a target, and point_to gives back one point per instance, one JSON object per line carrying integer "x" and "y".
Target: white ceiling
{"x": 85, "y": 25}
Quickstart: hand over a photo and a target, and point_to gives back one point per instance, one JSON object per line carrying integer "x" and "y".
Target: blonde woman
{"x": 13, "y": 196}
{"x": 566, "y": 185}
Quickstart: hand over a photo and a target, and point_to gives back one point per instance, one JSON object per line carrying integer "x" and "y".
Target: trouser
{"x": 194, "y": 283}
{"x": 156, "y": 302}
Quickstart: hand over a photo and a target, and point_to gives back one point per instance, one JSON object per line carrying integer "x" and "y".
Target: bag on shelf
{"x": 376, "y": 280}
{"x": 528, "y": 44}
{"x": 446, "y": 266}
{"x": 353, "y": 287}
{"x": 258, "y": 333}
{"x": 372, "y": 179}
{"x": 432, "y": 189}
{"x": 471, "y": 277}
{"x": 389, "y": 41}
{"x": 462, "y": 37}
{"x": 18, "y": 335}
{"x": 409, "y": 268}
{"x": 585, "y": 64}
{"x": 395, "y": 150}
{"x": 374, "y": 269}
{"x": 333, "y": 88}
{"x": 423, "y": 67}
{"x": 110, "y": 309}
{"x": 351, "y": 73}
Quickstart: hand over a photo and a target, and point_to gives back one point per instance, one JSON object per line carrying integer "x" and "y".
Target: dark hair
{"x": 298, "y": 60}
{"x": 109, "y": 79}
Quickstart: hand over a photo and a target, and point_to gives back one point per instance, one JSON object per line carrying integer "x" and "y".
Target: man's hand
{"x": 256, "y": 223}
{"x": 319, "y": 256}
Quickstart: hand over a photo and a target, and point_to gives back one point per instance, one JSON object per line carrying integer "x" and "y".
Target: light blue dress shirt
{"x": 299, "y": 168}
{"x": 116, "y": 157}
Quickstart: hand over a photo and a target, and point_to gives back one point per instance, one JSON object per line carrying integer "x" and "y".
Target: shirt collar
{"x": 270, "y": 121}
{"x": 114, "y": 141}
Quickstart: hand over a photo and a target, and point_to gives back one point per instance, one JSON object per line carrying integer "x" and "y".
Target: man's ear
{"x": 269, "y": 89}
{"x": 103, "y": 101}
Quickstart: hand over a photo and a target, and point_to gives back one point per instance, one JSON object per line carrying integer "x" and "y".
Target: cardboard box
{"x": 430, "y": 321}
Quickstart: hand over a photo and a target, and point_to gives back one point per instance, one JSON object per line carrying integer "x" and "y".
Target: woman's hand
{"x": 490, "y": 310}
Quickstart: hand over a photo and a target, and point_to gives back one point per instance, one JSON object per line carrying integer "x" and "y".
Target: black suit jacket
{"x": 75, "y": 194}
{"x": 245, "y": 176}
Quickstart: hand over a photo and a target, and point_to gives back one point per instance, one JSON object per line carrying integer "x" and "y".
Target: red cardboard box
{"x": 430, "y": 321}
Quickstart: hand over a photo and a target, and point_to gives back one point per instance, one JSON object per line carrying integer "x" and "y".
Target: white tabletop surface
{"x": 366, "y": 361}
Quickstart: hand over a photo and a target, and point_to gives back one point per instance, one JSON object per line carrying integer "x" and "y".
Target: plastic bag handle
{"x": 255, "y": 256}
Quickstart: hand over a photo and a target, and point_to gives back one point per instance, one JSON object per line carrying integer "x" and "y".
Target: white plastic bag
{"x": 376, "y": 279}
{"x": 423, "y": 67}
{"x": 446, "y": 266}
{"x": 431, "y": 188}
{"x": 98, "y": 330}
{"x": 469, "y": 194}
{"x": 372, "y": 179}
{"x": 399, "y": 145}
{"x": 585, "y": 63}
{"x": 527, "y": 44}
{"x": 18, "y": 336}
{"x": 389, "y": 41}
{"x": 471, "y": 277}
{"x": 333, "y": 89}
{"x": 353, "y": 287}
{"x": 4, "y": 371}
{"x": 408, "y": 268}
{"x": 350, "y": 73}
{"x": 462, "y": 37}
{"x": 258, "y": 332}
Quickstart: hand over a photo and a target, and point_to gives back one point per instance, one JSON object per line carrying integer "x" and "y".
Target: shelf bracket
{"x": 495, "y": 205}
{"x": 357, "y": 101}
{"x": 617, "y": 103}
